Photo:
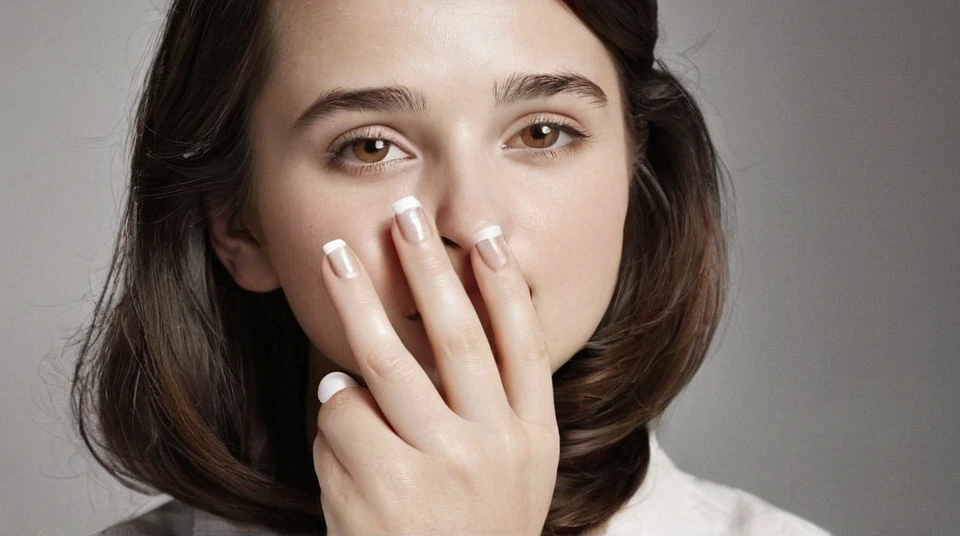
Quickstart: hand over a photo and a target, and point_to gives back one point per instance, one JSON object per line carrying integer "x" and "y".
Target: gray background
{"x": 830, "y": 389}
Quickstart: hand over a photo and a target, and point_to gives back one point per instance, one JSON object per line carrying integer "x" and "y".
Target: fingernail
{"x": 343, "y": 262}
{"x": 332, "y": 384}
{"x": 413, "y": 225}
{"x": 492, "y": 247}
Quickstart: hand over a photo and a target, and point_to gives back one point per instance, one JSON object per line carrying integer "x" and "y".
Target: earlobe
{"x": 242, "y": 255}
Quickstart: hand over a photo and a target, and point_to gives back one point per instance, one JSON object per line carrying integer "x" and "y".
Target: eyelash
{"x": 579, "y": 136}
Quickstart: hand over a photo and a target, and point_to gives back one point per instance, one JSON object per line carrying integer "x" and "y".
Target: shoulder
{"x": 671, "y": 501}
{"x": 175, "y": 518}
{"x": 170, "y": 518}
{"x": 742, "y": 513}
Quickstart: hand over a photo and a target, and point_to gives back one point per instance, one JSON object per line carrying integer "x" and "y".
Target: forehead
{"x": 447, "y": 49}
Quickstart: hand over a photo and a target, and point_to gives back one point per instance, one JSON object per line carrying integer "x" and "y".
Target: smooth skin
{"x": 469, "y": 164}
{"x": 396, "y": 458}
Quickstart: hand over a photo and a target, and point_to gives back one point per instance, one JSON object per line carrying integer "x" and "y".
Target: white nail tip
{"x": 406, "y": 203}
{"x": 332, "y": 245}
{"x": 487, "y": 232}
{"x": 332, "y": 384}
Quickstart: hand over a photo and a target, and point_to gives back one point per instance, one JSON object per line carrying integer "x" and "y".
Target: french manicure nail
{"x": 489, "y": 241}
{"x": 343, "y": 262}
{"x": 413, "y": 225}
{"x": 332, "y": 384}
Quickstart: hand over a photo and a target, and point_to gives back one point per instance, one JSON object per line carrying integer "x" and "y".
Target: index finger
{"x": 402, "y": 389}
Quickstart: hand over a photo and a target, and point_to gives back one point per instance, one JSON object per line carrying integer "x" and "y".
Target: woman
{"x": 549, "y": 278}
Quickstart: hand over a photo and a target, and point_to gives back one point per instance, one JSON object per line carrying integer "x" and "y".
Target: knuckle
{"x": 463, "y": 338}
{"x": 331, "y": 408}
{"x": 325, "y": 463}
{"x": 366, "y": 299}
{"x": 447, "y": 444}
{"x": 398, "y": 476}
{"x": 551, "y": 440}
{"x": 384, "y": 361}
{"x": 334, "y": 488}
{"x": 322, "y": 416}
{"x": 536, "y": 352}
{"x": 434, "y": 266}
{"x": 512, "y": 445}
{"x": 464, "y": 457}
{"x": 547, "y": 440}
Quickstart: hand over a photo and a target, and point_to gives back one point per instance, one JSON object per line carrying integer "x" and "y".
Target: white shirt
{"x": 668, "y": 502}
{"x": 671, "y": 502}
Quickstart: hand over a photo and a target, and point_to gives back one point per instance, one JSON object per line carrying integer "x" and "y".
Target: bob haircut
{"x": 188, "y": 385}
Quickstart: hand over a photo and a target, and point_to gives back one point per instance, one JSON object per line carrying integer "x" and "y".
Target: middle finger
{"x": 464, "y": 358}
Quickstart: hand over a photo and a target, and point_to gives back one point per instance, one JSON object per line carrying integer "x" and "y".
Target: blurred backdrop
{"x": 831, "y": 387}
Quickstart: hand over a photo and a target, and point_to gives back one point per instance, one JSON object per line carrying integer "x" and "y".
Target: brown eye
{"x": 370, "y": 150}
{"x": 540, "y": 135}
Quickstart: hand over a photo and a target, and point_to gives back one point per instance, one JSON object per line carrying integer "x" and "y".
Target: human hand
{"x": 397, "y": 459}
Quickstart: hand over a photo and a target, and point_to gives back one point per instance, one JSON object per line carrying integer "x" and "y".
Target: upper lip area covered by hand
{"x": 468, "y": 280}
{"x": 473, "y": 291}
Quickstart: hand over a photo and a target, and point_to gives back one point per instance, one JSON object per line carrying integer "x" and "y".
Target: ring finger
{"x": 400, "y": 386}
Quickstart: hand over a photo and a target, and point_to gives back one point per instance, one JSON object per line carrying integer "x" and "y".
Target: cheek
{"x": 296, "y": 226}
{"x": 580, "y": 248}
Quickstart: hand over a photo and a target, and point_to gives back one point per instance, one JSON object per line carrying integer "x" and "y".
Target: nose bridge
{"x": 467, "y": 191}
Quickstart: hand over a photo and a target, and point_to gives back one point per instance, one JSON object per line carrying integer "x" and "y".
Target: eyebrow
{"x": 516, "y": 87}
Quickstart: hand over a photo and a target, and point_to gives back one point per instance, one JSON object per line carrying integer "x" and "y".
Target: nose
{"x": 463, "y": 198}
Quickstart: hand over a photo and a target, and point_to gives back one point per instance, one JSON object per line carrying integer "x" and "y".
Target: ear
{"x": 241, "y": 253}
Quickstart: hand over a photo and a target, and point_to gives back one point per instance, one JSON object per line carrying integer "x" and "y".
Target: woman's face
{"x": 471, "y": 160}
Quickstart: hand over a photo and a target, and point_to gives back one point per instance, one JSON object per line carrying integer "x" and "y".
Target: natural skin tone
{"x": 458, "y": 432}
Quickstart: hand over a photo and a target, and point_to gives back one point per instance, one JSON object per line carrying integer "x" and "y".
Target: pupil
{"x": 374, "y": 145}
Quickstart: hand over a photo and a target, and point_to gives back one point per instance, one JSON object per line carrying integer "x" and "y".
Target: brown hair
{"x": 191, "y": 386}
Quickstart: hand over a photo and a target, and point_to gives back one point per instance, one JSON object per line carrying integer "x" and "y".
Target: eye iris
{"x": 540, "y": 136}
{"x": 379, "y": 148}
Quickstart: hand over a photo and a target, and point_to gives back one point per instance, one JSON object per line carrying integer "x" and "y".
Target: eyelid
{"x": 367, "y": 132}
{"x": 579, "y": 134}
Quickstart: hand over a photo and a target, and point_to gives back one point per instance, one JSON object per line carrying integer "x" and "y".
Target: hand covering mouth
{"x": 414, "y": 315}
